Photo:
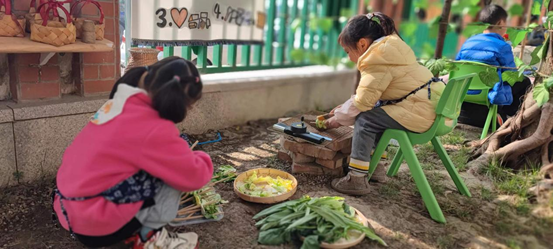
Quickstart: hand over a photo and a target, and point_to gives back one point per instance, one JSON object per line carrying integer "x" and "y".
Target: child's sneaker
{"x": 170, "y": 240}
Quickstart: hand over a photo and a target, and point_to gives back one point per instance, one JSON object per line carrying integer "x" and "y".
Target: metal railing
{"x": 297, "y": 33}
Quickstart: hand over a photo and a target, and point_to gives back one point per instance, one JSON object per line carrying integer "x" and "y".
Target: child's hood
{"x": 389, "y": 50}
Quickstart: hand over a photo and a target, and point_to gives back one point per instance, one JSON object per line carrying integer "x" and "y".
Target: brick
{"x": 108, "y": 8}
{"x": 107, "y": 72}
{"x": 96, "y": 58}
{"x": 308, "y": 149}
{"x": 110, "y": 26}
{"x": 284, "y": 156}
{"x": 53, "y": 61}
{"x": 341, "y": 143}
{"x": 98, "y": 86}
{"x": 22, "y": 5}
{"x": 28, "y": 74}
{"x": 90, "y": 72}
{"x": 39, "y": 91}
{"x": 28, "y": 59}
{"x": 48, "y": 73}
{"x": 346, "y": 150}
{"x": 314, "y": 169}
{"x": 337, "y": 162}
{"x": 301, "y": 158}
{"x": 90, "y": 10}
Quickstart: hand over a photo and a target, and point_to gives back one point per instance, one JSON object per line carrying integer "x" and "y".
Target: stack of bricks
{"x": 328, "y": 158}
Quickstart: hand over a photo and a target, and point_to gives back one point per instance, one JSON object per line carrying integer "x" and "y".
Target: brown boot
{"x": 351, "y": 184}
{"x": 379, "y": 174}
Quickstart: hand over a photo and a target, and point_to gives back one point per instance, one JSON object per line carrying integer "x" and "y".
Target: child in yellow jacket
{"x": 395, "y": 92}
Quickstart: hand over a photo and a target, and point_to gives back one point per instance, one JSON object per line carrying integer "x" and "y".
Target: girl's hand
{"x": 331, "y": 123}
{"x": 333, "y": 110}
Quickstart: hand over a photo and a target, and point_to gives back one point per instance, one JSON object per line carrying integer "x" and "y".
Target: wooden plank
{"x": 18, "y": 45}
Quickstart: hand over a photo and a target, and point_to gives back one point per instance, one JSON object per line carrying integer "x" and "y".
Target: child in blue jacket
{"x": 491, "y": 48}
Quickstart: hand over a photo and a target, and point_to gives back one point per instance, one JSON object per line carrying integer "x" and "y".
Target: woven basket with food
{"x": 32, "y": 16}
{"x": 55, "y": 31}
{"x": 10, "y": 25}
{"x": 100, "y": 26}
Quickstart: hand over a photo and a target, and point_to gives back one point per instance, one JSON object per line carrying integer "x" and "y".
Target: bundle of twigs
{"x": 205, "y": 203}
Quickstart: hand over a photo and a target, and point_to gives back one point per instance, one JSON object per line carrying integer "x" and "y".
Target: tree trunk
{"x": 444, "y": 23}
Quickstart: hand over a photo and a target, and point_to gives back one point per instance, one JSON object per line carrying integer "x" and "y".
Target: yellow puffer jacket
{"x": 389, "y": 71}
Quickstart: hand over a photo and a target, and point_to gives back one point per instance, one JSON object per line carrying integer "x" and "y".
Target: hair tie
{"x": 177, "y": 78}
{"x": 197, "y": 79}
{"x": 373, "y": 18}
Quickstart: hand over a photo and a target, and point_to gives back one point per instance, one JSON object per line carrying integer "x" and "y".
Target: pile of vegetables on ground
{"x": 205, "y": 203}
{"x": 264, "y": 186}
{"x": 325, "y": 219}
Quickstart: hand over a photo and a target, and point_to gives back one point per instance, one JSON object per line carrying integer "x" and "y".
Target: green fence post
{"x": 320, "y": 32}
{"x": 218, "y": 56}
{"x": 232, "y": 54}
{"x": 270, "y": 32}
{"x": 186, "y": 53}
{"x": 202, "y": 57}
{"x": 282, "y": 29}
{"x": 312, "y": 17}
{"x": 258, "y": 55}
{"x": 291, "y": 33}
{"x": 303, "y": 27}
{"x": 168, "y": 52}
{"x": 246, "y": 54}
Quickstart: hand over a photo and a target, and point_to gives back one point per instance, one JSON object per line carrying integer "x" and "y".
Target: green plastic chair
{"x": 480, "y": 98}
{"x": 447, "y": 112}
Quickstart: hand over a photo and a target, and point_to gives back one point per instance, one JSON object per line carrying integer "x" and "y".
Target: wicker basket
{"x": 10, "y": 25}
{"x": 31, "y": 17}
{"x": 266, "y": 172}
{"x": 53, "y": 32}
{"x": 99, "y": 25}
{"x": 141, "y": 57}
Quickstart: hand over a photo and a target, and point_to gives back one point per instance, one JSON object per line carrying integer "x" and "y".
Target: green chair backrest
{"x": 449, "y": 106}
{"x": 476, "y": 85}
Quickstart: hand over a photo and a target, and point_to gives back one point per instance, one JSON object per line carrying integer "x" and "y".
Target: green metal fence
{"x": 297, "y": 33}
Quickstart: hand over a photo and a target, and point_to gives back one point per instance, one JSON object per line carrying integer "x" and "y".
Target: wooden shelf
{"x": 19, "y": 45}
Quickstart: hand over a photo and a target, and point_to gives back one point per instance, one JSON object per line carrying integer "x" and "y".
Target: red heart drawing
{"x": 179, "y": 16}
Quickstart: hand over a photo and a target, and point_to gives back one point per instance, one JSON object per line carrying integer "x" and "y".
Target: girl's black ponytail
{"x": 173, "y": 88}
{"x": 373, "y": 26}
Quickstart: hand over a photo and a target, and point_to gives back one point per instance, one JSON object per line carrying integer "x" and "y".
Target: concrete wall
{"x": 33, "y": 136}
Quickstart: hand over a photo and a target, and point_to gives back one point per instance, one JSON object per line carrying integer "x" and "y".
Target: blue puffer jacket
{"x": 489, "y": 48}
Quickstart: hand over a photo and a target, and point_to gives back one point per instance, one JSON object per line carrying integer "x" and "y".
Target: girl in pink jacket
{"x": 124, "y": 173}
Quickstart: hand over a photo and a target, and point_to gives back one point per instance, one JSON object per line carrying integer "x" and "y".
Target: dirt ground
{"x": 394, "y": 208}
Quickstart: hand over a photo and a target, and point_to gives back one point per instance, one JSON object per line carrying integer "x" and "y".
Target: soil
{"x": 394, "y": 208}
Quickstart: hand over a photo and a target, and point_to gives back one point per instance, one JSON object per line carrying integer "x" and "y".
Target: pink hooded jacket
{"x": 126, "y": 136}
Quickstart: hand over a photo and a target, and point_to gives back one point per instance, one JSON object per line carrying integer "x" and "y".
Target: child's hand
{"x": 331, "y": 123}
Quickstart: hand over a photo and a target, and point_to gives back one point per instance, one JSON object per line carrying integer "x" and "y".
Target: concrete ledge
{"x": 35, "y": 135}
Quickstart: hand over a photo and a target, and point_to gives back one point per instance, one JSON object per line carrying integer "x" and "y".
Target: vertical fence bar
{"x": 312, "y": 17}
{"x": 202, "y": 57}
{"x": 186, "y": 53}
{"x": 232, "y": 54}
{"x": 291, "y": 33}
{"x": 218, "y": 56}
{"x": 246, "y": 54}
{"x": 321, "y": 33}
{"x": 258, "y": 55}
{"x": 303, "y": 28}
{"x": 282, "y": 29}
{"x": 168, "y": 51}
{"x": 270, "y": 32}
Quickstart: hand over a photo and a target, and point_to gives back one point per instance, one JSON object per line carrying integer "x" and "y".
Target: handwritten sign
{"x": 193, "y": 22}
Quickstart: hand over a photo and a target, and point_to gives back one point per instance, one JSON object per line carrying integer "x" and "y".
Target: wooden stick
{"x": 528, "y": 16}
{"x": 194, "y": 145}
{"x": 195, "y": 217}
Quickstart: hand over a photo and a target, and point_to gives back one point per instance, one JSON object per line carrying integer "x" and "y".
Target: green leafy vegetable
{"x": 325, "y": 219}
{"x": 225, "y": 173}
{"x": 540, "y": 94}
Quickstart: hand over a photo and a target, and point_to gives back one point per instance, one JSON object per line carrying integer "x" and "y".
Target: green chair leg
{"x": 491, "y": 117}
{"x": 380, "y": 148}
{"x": 439, "y": 148}
{"x": 396, "y": 163}
{"x": 420, "y": 180}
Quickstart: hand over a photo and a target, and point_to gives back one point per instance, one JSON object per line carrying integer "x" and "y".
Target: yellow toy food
{"x": 264, "y": 186}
